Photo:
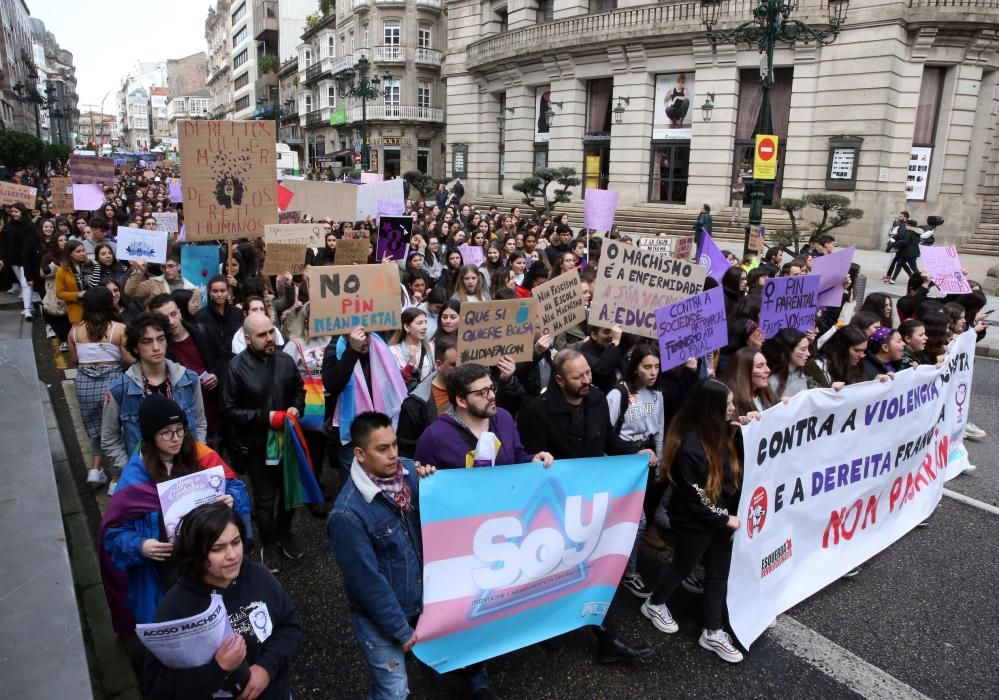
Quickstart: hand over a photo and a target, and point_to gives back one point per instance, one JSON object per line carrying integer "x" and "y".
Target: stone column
{"x": 711, "y": 143}
{"x": 519, "y": 136}
{"x": 630, "y": 152}
{"x": 565, "y": 146}
{"x": 483, "y": 166}
{"x": 521, "y": 13}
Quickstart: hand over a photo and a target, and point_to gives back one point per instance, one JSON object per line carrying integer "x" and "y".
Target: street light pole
{"x": 102, "y": 116}
{"x": 355, "y": 83}
{"x": 771, "y": 24}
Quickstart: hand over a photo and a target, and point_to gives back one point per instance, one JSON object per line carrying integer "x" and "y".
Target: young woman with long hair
{"x": 17, "y": 240}
{"x": 70, "y": 280}
{"x": 838, "y": 362}
{"x": 787, "y": 354}
{"x": 450, "y": 316}
{"x": 410, "y": 348}
{"x": 884, "y": 351}
{"x": 470, "y": 286}
{"x": 704, "y": 465}
{"x": 748, "y": 376}
{"x": 880, "y": 305}
{"x": 453, "y": 263}
{"x": 106, "y": 266}
{"x": 937, "y": 326}
{"x": 53, "y": 308}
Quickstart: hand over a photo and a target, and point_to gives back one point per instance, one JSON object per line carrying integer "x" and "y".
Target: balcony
{"x": 265, "y": 21}
{"x": 360, "y": 5}
{"x": 317, "y": 117}
{"x": 389, "y": 54}
{"x": 342, "y": 63}
{"x": 319, "y": 69}
{"x": 429, "y": 4}
{"x": 390, "y": 2}
{"x": 265, "y": 84}
{"x": 429, "y": 57}
{"x": 410, "y": 113}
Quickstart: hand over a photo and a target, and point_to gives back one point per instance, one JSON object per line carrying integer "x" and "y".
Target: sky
{"x": 107, "y": 38}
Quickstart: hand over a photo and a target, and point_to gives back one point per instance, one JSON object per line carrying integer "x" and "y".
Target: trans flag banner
{"x": 518, "y": 554}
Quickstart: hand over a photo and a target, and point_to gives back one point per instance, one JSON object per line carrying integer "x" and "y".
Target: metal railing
{"x": 356, "y": 5}
{"x": 397, "y": 113}
{"x": 430, "y": 57}
{"x": 389, "y": 54}
{"x": 432, "y": 4}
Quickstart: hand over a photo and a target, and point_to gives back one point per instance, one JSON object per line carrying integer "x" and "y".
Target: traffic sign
{"x": 765, "y": 158}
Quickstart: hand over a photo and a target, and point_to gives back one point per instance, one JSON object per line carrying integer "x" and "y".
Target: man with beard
{"x": 571, "y": 420}
{"x": 259, "y": 389}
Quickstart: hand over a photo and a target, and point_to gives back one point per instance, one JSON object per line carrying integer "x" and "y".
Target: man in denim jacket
{"x": 375, "y": 533}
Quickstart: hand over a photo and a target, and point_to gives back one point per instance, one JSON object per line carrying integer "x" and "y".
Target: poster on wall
{"x": 542, "y": 103}
{"x": 672, "y": 112}
{"x": 918, "y": 173}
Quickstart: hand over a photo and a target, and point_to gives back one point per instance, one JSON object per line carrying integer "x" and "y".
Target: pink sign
{"x": 87, "y": 197}
{"x": 944, "y": 268}
{"x": 599, "y": 208}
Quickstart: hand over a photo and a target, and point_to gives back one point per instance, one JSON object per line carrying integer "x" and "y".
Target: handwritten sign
{"x": 679, "y": 247}
{"x": 599, "y": 208}
{"x": 228, "y": 174}
{"x": 12, "y": 194}
{"x": 176, "y": 189}
{"x": 61, "y": 201}
{"x": 357, "y": 296}
{"x": 353, "y": 251}
{"x": 393, "y": 237}
{"x": 789, "y": 302}
{"x": 198, "y": 264}
{"x": 289, "y": 217}
{"x": 944, "y": 268}
{"x": 632, "y": 283}
{"x": 471, "y": 254}
{"x": 336, "y": 201}
{"x": 136, "y": 243}
{"x": 91, "y": 170}
{"x": 368, "y": 197}
{"x": 691, "y": 327}
{"x": 310, "y": 235}
{"x": 167, "y": 221}
{"x": 489, "y": 330}
{"x": 757, "y": 238}
{"x": 560, "y": 303}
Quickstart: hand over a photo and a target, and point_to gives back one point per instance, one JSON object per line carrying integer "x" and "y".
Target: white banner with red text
{"x": 832, "y": 478}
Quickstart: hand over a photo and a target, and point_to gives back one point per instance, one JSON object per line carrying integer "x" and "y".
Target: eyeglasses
{"x": 172, "y": 434}
{"x": 484, "y": 392}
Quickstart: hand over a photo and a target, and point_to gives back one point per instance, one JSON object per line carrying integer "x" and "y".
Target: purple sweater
{"x": 446, "y": 442}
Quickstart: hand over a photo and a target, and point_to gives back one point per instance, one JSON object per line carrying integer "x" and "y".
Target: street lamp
{"x": 708, "y": 106}
{"x": 354, "y": 83}
{"x": 771, "y": 24}
{"x": 619, "y": 109}
{"x": 29, "y": 95}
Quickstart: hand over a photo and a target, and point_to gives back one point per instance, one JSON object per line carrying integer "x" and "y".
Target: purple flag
{"x": 711, "y": 257}
{"x": 599, "y": 207}
{"x": 691, "y": 327}
{"x": 832, "y": 268}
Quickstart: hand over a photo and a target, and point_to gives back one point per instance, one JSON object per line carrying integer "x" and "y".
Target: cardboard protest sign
{"x": 368, "y": 196}
{"x": 691, "y": 327}
{"x": 336, "y": 201}
{"x": 393, "y": 237}
{"x": 679, "y": 247}
{"x": 471, "y": 254}
{"x": 138, "y": 243}
{"x": 89, "y": 170}
{"x": 560, "y": 303}
{"x": 599, "y": 208}
{"x": 944, "y": 267}
{"x": 287, "y": 246}
{"x": 284, "y": 257}
{"x": 489, "y": 330}
{"x": 789, "y": 302}
{"x": 61, "y": 201}
{"x": 228, "y": 174}
{"x": 167, "y": 221}
{"x": 757, "y": 238}
{"x": 87, "y": 197}
{"x": 632, "y": 283}
{"x": 198, "y": 264}
{"x": 11, "y": 193}
{"x": 343, "y": 298}
{"x": 353, "y": 251}
{"x": 833, "y": 269}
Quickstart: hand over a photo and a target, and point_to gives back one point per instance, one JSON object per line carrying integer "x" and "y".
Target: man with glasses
{"x": 141, "y": 287}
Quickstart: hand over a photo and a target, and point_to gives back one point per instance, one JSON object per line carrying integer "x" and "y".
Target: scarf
{"x": 386, "y": 379}
{"x": 395, "y": 488}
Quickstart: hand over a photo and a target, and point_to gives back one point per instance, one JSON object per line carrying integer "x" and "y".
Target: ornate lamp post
{"x": 771, "y": 24}
{"x": 354, "y": 83}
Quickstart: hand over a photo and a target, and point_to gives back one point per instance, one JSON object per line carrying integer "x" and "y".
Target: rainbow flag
{"x": 315, "y": 406}
{"x": 300, "y": 484}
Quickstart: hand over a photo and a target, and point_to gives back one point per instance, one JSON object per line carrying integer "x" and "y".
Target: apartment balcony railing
{"x": 320, "y": 68}
{"x": 429, "y": 57}
{"x": 317, "y": 117}
{"x": 430, "y": 4}
{"x": 360, "y": 5}
{"x": 398, "y": 113}
{"x": 265, "y": 20}
{"x": 389, "y": 54}
{"x": 390, "y": 2}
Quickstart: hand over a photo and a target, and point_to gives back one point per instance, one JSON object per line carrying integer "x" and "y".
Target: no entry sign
{"x": 765, "y": 160}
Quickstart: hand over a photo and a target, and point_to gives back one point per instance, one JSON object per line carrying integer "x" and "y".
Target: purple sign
{"x": 471, "y": 254}
{"x": 393, "y": 237}
{"x": 832, "y": 268}
{"x": 789, "y": 302}
{"x": 691, "y": 327}
{"x": 599, "y": 208}
{"x": 391, "y": 208}
{"x": 176, "y": 191}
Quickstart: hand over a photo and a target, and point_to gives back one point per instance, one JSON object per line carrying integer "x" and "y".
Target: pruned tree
{"x": 789, "y": 238}
{"x": 536, "y": 187}
{"x": 425, "y": 184}
{"x": 835, "y": 205}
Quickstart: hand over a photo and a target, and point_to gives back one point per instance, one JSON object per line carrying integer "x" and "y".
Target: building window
{"x": 670, "y": 168}
{"x": 392, "y": 97}
{"x": 331, "y": 46}
{"x": 503, "y": 17}
{"x": 239, "y": 13}
{"x": 331, "y": 95}
{"x": 423, "y": 159}
{"x": 423, "y": 96}
{"x": 365, "y": 38}
{"x": 393, "y": 32}
{"x": 307, "y": 103}
{"x": 243, "y": 103}
{"x": 425, "y": 38}
{"x": 540, "y": 156}
{"x": 343, "y": 44}
{"x": 242, "y": 81}
{"x": 598, "y": 105}
{"x": 240, "y": 36}
{"x": 602, "y": 5}
{"x": 546, "y": 10}
{"x": 308, "y": 58}
{"x": 240, "y": 59}
{"x": 352, "y": 43}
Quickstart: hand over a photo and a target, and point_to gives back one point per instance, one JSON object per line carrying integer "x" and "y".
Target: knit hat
{"x": 156, "y": 413}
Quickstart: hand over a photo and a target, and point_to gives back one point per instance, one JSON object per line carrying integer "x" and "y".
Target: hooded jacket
{"x": 446, "y": 443}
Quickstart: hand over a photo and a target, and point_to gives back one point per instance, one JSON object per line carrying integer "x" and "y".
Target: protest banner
{"x": 284, "y": 257}
{"x": 789, "y": 302}
{"x": 198, "y": 264}
{"x": 711, "y": 257}
{"x": 832, "y": 478}
{"x": 91, "y": 170}
{"x": 691, "y": 327}
{"x": 87, "y": 197}
{"x": 353, "y": 251}
{"x": 393, "y": 237}
{"x": 138, "y": 243}
{"x": 471, "y": 254}
{"x": 599, "y": 208}
{"x": 514, "y": 555}
{"x": 189, "y": 642}
{"x": 368, "y": 197}
{"x": 180, "y": 496}
{"x": 336, "y": 201}
{"x": 944, "y": 267}
{"x": 347, "y": 297}
{"x": 560, "y": 303}
{"x": 11, "y": 193}
{"x": 61, "y": 201}
{"x": 167, "y": 221}
{"x": 832, "y": 269}
{"x": 488, "y": 330}
{"x": 633, "y": 283}
{"x": 228, "y": 174}
{"x": 678, "y": 247}
{"x": 367, "y": 178}
{"x": 309, "y": 235}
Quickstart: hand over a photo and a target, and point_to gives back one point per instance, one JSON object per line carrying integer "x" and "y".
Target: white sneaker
{"x": 970, "y": 468}
{"x": 49, "y": 333}
{"x": 27, "y": 314}
{"x": 720, "y": 643}
{"x": 660, "y": 617}
{"x": 15, "y": 290}
{"x": 973, "y": 432}
{"x": 96, "y": 477}
{"x": 112, "y": 486}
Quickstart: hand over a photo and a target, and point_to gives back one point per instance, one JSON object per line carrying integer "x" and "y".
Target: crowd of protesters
{"x": 169, "y": 384}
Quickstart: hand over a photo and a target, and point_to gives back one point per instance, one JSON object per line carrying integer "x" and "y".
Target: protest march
{"x": 493, "y": 413}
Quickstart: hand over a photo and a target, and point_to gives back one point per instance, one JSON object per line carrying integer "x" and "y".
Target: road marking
{"x": 841, "y": 665}
{"x": 971, "y": 501}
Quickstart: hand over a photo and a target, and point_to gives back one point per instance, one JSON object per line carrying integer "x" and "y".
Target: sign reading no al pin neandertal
{"x": 345, "y": 297}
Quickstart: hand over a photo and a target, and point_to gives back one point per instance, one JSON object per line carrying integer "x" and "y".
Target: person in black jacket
{"x": 219, "y": 319}
{"x": 603, "y": 354}
{"x": 907, "y": 245}
{"x": 255, "y": 661}
{"x": 259, "y": 388}
{"x": 17, "y": 240}
{"x": 704, "y": 457}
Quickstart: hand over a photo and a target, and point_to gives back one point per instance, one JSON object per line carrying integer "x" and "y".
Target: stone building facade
{"x": 899, "y": 113}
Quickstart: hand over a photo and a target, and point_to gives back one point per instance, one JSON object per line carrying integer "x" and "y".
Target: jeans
{"x": 908, "y": 264}
{"x": 689, "y": 546}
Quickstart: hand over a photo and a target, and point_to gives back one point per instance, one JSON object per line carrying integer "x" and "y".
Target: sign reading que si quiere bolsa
{"x": 765, "y": 158}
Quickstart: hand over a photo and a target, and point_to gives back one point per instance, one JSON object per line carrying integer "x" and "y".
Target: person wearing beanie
{"x": 136, "y": 551}
{"x": 536, "y": 274}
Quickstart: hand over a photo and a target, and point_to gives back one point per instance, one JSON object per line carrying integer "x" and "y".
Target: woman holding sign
{"x": 136, "y": 557}
{"x": 252, "y": 662}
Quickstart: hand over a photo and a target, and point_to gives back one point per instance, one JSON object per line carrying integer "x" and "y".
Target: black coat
{"x": 690, "y": 507}
{"x": 220, "y": 328}
{"x": 604, "y": 362}
{"x": 16, "y": 241}
{"x": 545, "y": 422}
{"x": 254, "y": 386}
{"x": 907, "y": 243}
{"x": 209, "y": 354}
